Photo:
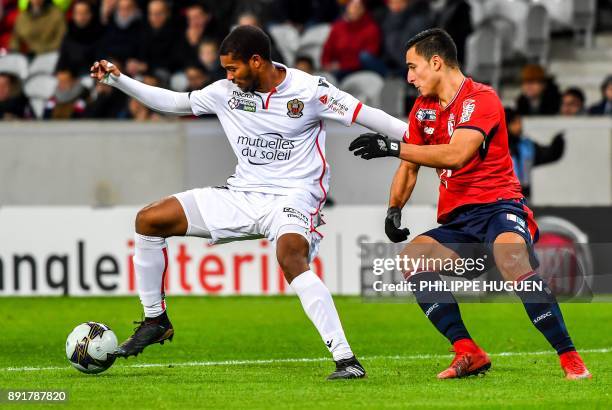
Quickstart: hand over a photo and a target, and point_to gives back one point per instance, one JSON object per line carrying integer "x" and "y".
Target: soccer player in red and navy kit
{"x": 458, "y": 127}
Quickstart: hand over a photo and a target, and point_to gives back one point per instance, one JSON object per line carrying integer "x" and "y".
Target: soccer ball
{"x": 89, "y": 345}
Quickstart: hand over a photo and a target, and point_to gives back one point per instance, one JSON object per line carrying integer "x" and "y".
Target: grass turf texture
{"x": 251, "y": 328}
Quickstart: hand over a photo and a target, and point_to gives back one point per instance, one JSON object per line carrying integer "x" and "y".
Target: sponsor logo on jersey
{"x": 294, "y": 213}
{"x": 426, "y": 115}
{"x": 468, "y": 109}
{"x": 295, "y": 108}
{"x": 266, "y": 148}
{"x": 323, "y": 99}
{"x": 242, "y": 94}
{"x": 336, "y": 106}
{"x": 236, "y": 103}
{"x": 428, "y": 130}
{"x": 322, "y": 83}
{"x": 451, "y": 125}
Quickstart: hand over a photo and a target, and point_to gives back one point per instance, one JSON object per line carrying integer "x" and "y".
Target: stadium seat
{"x": 178, "y": 82}
{"x": 366, "y": 86}
{"x": 287, "y": 40}
{"x": 312, "y": 41}
{"x": 538, "y": 34}
{"x": 16, "y": 64}
{"x": 484, "y": 55}
{"x": 44, "y": 63}
{"x": 393, "y": 96}
{"x": 584, "y": 19}
{"x": 39, "y": 88}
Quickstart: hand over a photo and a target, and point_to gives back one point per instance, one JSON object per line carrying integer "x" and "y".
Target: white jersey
{"x": 278, "y": 137}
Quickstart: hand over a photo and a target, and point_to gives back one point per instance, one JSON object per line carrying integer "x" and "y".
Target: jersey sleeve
{"x": 335, "y": 104}
{"x": 414, "y": 134}
{"x": 206, "y": 100}
{"x": 480, "y": 112}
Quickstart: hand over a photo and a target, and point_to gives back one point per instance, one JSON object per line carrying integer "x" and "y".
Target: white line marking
{"x": 302, "y": 360}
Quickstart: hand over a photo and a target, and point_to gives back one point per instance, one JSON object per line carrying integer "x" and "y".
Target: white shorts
{"x": 224, "y": 215}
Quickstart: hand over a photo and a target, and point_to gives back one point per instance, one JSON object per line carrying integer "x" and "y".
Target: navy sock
{"x": 440, "y": 307}
{"x": 544, "y": 312}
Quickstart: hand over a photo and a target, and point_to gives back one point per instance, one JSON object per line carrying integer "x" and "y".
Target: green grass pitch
{"x": 246, "y": 352}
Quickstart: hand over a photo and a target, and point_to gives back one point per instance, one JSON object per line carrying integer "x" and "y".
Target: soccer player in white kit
{"x": 273, "y": 117}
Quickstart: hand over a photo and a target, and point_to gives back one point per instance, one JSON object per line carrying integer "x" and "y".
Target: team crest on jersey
{"x": 426, "y": 115}
{"x": 295, "y": 108}
{"x": 451, "y": 124}
{"x": 323, "y": 99}
{"x": 468, "y": 109}
{"x": 236, "y": 103}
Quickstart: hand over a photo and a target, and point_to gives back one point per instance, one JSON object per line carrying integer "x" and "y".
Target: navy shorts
{"x": 481, "y": 224}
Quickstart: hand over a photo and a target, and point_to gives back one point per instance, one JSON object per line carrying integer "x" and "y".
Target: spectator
{"x": 456, "y": 18}
{"x": 604, "y": 107}
{"x": 122, "y": 35}
{"x": 38, "y": 29}
{"x": 572, "y": 102}
{"x": 209, "y": 58}
{"x": 305, "y": 63}
{"x": 157, "y": 42}
{"x": 13, "y": 104}
{"x": 539, "y": 93}
{"x": 526, "y": 153}
{"x": 107, "y": 9}
{"x": 80, "y": 44}
{"x": 70, "y": 98}
{"x": 138, "y": 111}
{"x": 353, "y": 43}
{"x": 251, "y": 19}
{"x": 8, "y": 16}
{"x": 404, "y": 19}
{"x": 200, "y": 26}
{"x": 196, "y": 77}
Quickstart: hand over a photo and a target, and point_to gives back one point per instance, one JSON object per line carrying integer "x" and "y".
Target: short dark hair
{"x": 577, "y": 93}
{"x": 433, "y": 42}
{"x": 243, "y": 42}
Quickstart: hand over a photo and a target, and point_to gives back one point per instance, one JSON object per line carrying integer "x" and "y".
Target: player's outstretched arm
{"x": 464, "y": 144}
{"x": 158, "y": 99}
{"x": 381, "y": 122}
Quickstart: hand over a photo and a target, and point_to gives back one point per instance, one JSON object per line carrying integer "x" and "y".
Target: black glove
{"x": 373, "y": 145}
{"x": 393, "y": 221}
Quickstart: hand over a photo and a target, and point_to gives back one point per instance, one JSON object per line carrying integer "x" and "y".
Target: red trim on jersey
{"x": 272, "y": 91}
{"x": 312, "y": 227}
{"x": 405, "y": 137}
{"x": 163, "y": 281}
{"x": 531, "y": 223}
{"x": 356, "y": 112}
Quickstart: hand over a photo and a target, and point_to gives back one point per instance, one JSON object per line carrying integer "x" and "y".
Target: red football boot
{"x": 469, "y": 360}
{"x": 573, "y": 366}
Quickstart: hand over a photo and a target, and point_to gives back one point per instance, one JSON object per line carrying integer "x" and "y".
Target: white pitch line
{"x": 302, "y": 360}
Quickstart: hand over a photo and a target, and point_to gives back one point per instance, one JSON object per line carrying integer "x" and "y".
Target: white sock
{"x": 150, "y": 264}
{"x": 319, "y": 306}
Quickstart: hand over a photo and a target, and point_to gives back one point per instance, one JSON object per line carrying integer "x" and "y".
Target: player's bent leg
{"x": 292, "y": 252}
{"x": 441, "y": 308}
{"x": 512, "y": 258}
{"x": 154, "y": 224}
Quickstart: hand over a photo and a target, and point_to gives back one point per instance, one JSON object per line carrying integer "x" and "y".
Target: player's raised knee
{"x": 164, "y": 218}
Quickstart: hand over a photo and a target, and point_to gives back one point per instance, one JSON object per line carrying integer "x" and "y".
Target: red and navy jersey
{"x": 489, "y": 175}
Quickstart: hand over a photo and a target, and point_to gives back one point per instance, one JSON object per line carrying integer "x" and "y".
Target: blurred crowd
{"x": 153, "y": 40}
